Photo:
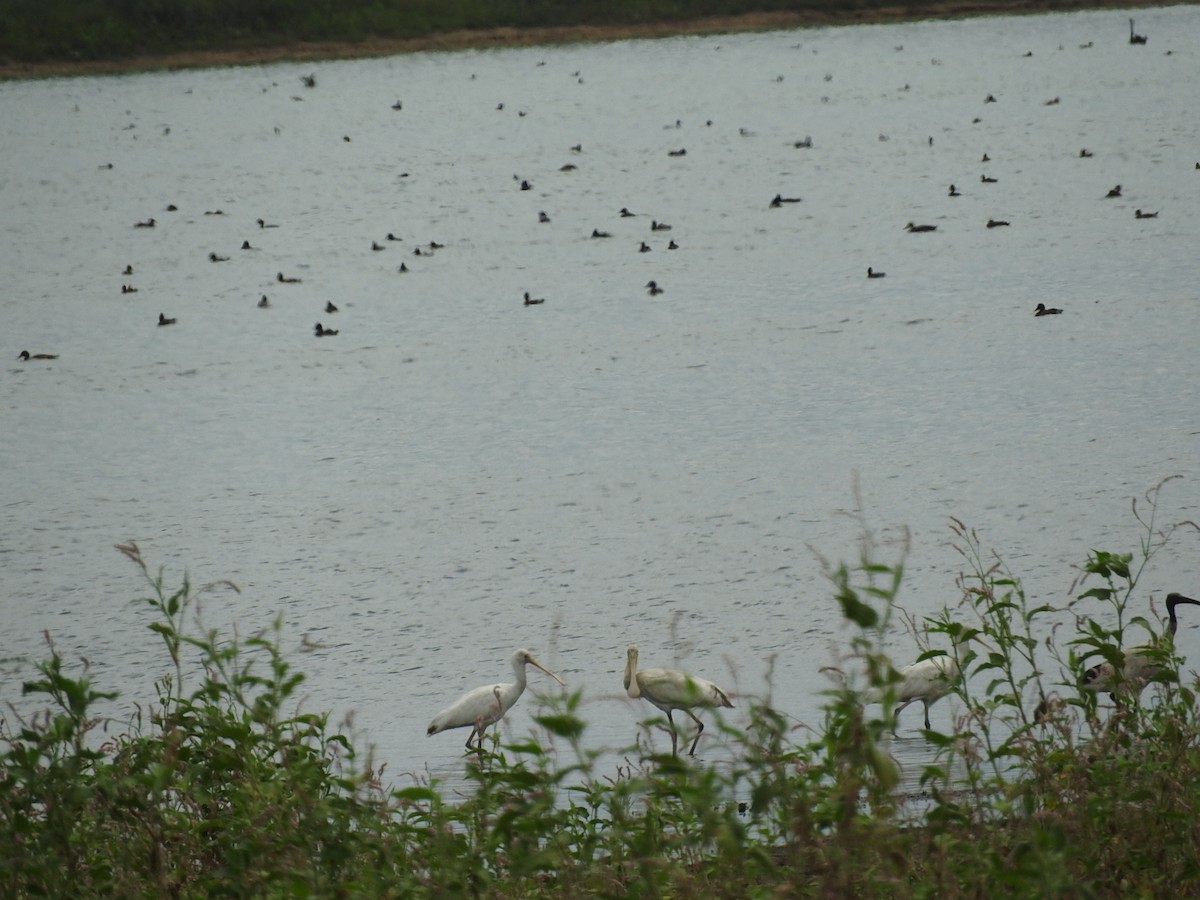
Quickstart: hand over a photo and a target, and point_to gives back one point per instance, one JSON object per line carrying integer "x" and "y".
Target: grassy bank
{"x": 218, "y": 787}
{"x": 77, "y": 36}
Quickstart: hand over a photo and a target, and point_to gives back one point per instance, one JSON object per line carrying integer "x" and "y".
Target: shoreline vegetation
{"x": 81, "y": 41}
{"x": 221, "y": 786}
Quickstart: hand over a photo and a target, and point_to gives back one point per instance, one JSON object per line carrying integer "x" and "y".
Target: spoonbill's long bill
{"x": 670, "y": 689}
{"x": 484, "y": 705}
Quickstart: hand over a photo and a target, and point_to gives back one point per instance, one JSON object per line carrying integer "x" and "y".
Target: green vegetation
{"x": 34, "y": 31}
{"x": 218, "y": 790}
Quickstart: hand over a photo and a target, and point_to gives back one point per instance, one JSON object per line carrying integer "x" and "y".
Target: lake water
{"x": 456, "y": 475}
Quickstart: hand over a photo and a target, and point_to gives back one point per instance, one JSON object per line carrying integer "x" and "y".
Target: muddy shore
{"x": 513, "y": 37}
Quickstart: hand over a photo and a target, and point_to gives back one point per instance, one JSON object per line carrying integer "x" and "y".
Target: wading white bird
{"x": 1141, "y": 663}
{"x": 928, "y": 680}
{"x": 670, "y": 689}
{"x": 484, "y": 705}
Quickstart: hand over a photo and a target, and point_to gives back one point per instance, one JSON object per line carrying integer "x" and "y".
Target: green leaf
{"x": 417, "y": 794}
{"x": 856, "y": 611}
{"x": 561, "y": 724}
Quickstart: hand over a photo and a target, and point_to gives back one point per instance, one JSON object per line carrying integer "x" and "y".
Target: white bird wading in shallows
{"x": 670, "y": 689}
{"x": 484, "y": 705}
{"x": 1141, "y": 663}
{"x": 928, "y": 679}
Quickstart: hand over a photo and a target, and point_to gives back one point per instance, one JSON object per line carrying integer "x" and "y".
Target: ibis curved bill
{"x": 1142, "y": 663}
{"x": 669, "y": 689}
{"x": 487, "y": 704}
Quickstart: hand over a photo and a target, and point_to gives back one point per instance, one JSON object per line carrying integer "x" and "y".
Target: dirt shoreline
{"x": 514, "y": 37}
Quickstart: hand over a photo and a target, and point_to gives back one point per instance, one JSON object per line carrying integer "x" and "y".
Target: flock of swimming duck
{"x": 927, "y": 681}
{"x": 652, "y": 287}
{"x": 320, "y": 330}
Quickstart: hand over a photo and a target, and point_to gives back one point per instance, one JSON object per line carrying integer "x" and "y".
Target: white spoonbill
{"x": 1141, "y": 663}
{"x": 484, "y": 705}
{"x": 670, "y": 689}
{"x": 928, "y": 680}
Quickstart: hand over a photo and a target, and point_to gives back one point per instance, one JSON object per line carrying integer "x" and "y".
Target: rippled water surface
{"x": 456, "y": 475}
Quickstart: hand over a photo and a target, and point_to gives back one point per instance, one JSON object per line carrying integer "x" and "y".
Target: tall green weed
{"x": 222, "y": 787}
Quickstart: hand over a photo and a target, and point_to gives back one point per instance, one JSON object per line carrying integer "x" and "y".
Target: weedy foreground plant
{"x": 217, "y": 789}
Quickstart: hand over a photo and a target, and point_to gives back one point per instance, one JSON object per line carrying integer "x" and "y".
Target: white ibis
{"x": 928, "y": 680}
{"x": 670, "y": 689}
{"x": 484, "y": 705}
{"x": 1141, "y": 663}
